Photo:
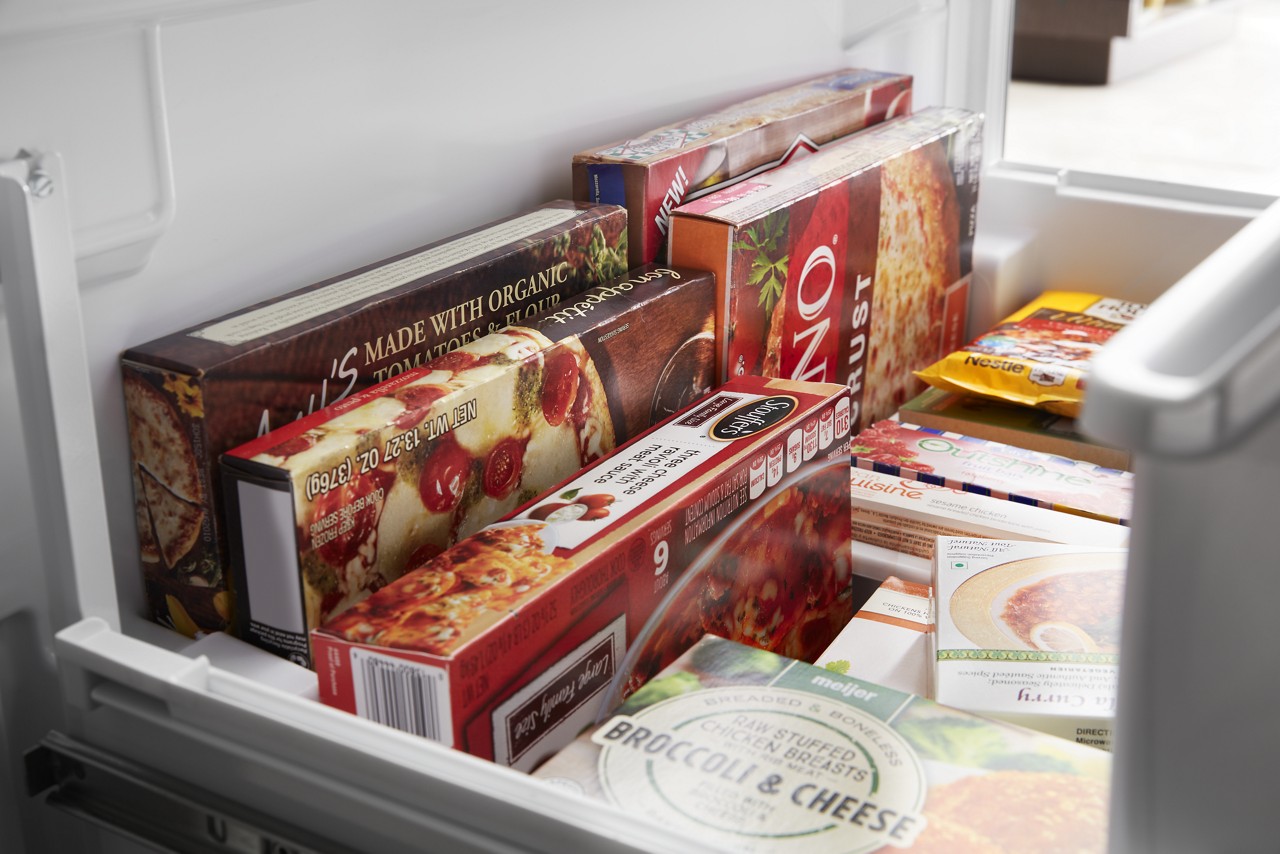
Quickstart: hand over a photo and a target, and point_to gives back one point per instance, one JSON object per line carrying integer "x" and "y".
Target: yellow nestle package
{"x": 1039, "y": 355}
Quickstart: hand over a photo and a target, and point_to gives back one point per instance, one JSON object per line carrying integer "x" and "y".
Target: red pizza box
{"x": 731, "y": 517}
{"x": 326, "y": 509}
{"x": 851, "y": 265}
{"x": 196, "y": 393}
{"x": 654, "y": 172}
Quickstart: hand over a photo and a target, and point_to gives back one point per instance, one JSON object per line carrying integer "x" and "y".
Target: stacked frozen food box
{"x": 194, "y": 394}
{"x": 851, "y": 265}
{"x": 720, "y": 519}
{"x": 654, "y": 172}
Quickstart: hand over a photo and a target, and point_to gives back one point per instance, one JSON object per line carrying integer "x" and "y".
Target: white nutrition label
{"x": 303, "y": 307}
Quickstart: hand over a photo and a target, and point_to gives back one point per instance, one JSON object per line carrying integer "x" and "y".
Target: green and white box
{"x": 1030, "y": 633}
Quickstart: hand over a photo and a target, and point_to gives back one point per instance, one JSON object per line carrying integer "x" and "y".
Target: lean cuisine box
{"x": 518, "y": 635}
{"x": 324, "y": 510}
{"x": 194, "y": 394}
{"x": 1030, "y": 633}
{"x": 901, "y": 517}
{"x": 849, "y": 266}
{"x": 653, "y": 173}
{"x": 990, "y": 468}
{"x": 752, "y": 752}
{"x": 1013, "y": 424}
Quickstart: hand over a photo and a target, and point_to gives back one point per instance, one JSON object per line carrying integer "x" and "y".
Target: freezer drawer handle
{"x": 151, "y": 808}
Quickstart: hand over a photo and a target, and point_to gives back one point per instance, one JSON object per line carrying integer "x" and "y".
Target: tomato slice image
{"x": 352, "y": 534}
{"x": 444, "y": 475}
{"x": 502, "y": 468}
{"x": 559, "y": 387}
{"x": 417, "y": 400}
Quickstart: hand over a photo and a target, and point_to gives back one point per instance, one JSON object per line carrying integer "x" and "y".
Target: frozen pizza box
{"x": 654, "y": 172}
{"x": 193, "y": 394}
{"x": 1030, "y": 633}
{"x": 850, "y": 266}
{"x": 722, "y": 519}
{"x": 748, "y": 751}
{"x": 995, "y": 469}
{"x": 324, "y": 510}
{"x": 887, "y": 641}
{"x": 903, "y": 516}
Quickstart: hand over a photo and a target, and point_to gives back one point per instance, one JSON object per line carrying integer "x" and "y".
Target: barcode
{"x": 402, "y": 694}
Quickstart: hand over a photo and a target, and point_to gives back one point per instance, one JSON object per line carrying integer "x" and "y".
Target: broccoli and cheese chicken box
{"x": 324, "y": 510}
{"x": 851, "y": 265}
{"x": 732, "y": 517}
{"x": 748, "y": 751}
{"x": 654, "y": 172}
{"x": 196, "y": 393}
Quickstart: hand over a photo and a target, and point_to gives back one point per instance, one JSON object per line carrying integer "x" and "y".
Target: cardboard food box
{"x": 196, "y": 393}
{"x": 850, "y": 266}
{"x": 1021, "y": 426}
{"x": 904, "y": 517}
{"x": 324, "y": 510}
{"x": 752, "y": 752}
{"x": 731, "y": 517}
{"x": 991, "y": 468}
{"x": 655, "y": 172}
{"x": 887, "y": 641}
{"x": 1030, "y": 633}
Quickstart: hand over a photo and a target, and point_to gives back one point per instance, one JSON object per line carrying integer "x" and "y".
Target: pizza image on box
{"x": 489, "y": 571}
{"x": 543, "y": 416}
{"x": 851, "y": 265}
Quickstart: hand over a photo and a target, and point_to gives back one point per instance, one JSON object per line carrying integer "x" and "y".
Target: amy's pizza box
{"x": 397, "y": 472}
{"x": 1030, "y": 633}
{"x": 887, "y": 641}
{"x": 849, "y": 266}
{"x": 902, "y": 516}
{"x": 753, "y": 752}
{"x": 193, "y": 394}
{"x": 991, "y": 468}
{"x": 652, "y": 173}
{"x": 731, "y": 517}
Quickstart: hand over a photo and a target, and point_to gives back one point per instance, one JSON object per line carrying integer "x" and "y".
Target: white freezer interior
{"x": 208, "y": 153}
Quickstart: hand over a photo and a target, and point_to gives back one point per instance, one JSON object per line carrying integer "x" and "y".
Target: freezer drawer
{"x": 258, "y": 146}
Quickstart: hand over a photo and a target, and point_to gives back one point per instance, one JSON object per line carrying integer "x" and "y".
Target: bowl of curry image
{"x": 1050, "y": 603}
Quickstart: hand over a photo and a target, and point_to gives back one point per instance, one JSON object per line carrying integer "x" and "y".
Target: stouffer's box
{"x": 744, "y": 750}
{"x": 731, "y": 518}
{"x": 658, "y": 170}
{"x": 196, "y": 393}
{"x": 849, "y": 266}
{"x": 331, "y": 507}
